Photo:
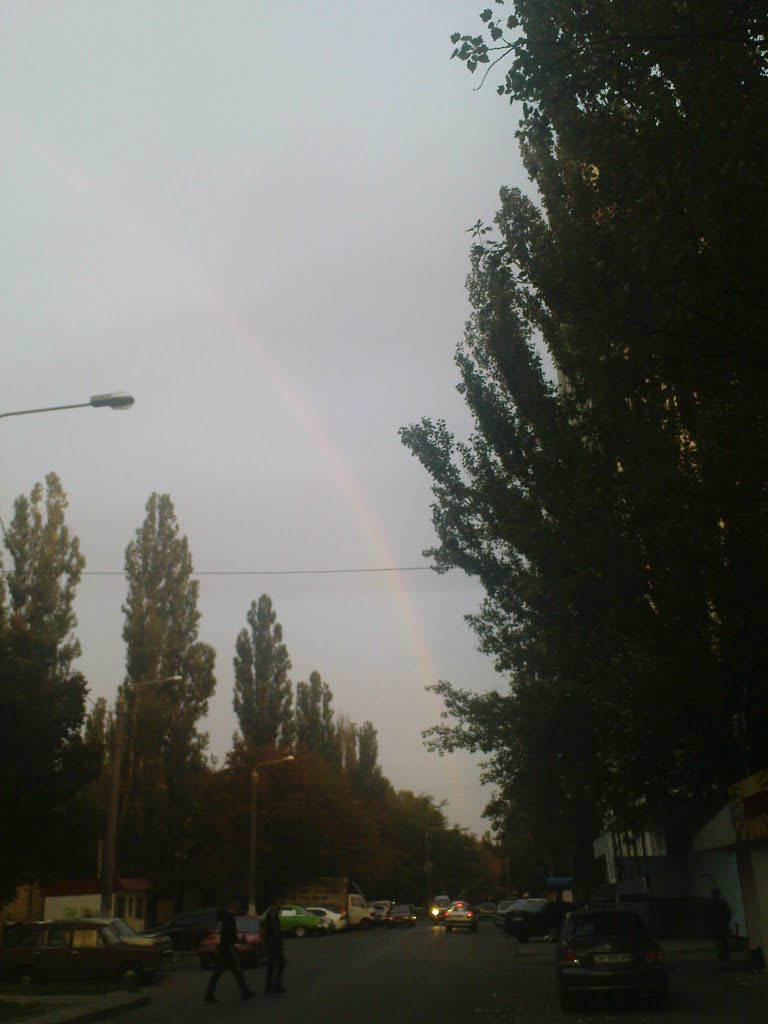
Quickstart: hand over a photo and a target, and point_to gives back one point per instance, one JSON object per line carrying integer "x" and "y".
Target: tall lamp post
{"x": 110, "y": 838}
{"x": 112, "y": 400}
{"x": 254, "y": 804}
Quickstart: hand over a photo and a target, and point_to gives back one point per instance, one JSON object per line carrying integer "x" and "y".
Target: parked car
{"x": 438, "y": 907}
{"x": 186, "y": 931}
{"x": 606, "y": 950}
{"x": 380, "y": 910}
{"x": 125, "y": 931}
{"x": 248, "y": 944}
{"x": 78, "y": 949}
{"x": 460, "y": 914}
{"x": 402, "y": 915}
{"x": 536, "y": 918}
{"x": 296, "y": 920}
{"x": 501, "y": 911}
{"x": 486, "y": 911}
{"x": 337, "y": 918}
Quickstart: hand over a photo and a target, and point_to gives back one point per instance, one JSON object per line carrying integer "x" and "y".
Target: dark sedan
{"x": 77, "y": 949}
{"x": 608, "y": 950}
{"x": 402, "y": 915}
{"x": 248, "y": 945}
{"x": 486, "y": 911}
{"x": 186, "y": 931}
{"x": 536, "y": 918}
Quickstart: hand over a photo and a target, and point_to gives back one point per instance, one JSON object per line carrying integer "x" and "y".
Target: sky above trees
{"x": 253, "y": 218}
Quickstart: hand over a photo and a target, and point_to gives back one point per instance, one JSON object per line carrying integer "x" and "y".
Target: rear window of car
{"x": 606, "y": 924}
{"x": 401, "y": 908}
{"x": 246, "y": 925}
{"x": 25, "y": 937}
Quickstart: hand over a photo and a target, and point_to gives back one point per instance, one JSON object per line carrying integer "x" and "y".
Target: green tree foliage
{"x": 263, "y": 696}
{"x": 616, "y": 519}
{"x": 165, "y": 749}
{"x": 43, "y": 758}
{"x": 46, "y": 573}
{"x": 314, "y": 718}
{"x": 366, "y": 774}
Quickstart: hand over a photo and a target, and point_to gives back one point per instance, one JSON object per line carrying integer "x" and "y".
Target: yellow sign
{"x": 750, "y": 806}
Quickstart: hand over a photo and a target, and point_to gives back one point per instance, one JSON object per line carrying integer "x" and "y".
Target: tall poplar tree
{"x": 43, "y": 759}
{"x": 314, "y": 717}
{"x": 263, "y": 695}
{"x": 165, "y": 748}
{"x": 616, "y": 519}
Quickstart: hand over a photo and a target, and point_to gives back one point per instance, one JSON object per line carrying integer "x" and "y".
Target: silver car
{"x": 460, "y": 915}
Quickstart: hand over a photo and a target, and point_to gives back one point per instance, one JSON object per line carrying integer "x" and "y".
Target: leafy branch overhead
{"x": 611, "y": 497}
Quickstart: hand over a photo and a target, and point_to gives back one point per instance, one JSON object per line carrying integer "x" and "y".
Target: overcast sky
{"x": 252, "y": 216}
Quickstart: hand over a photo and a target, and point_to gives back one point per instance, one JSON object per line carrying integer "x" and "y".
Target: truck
{"x": 340, "y": 894}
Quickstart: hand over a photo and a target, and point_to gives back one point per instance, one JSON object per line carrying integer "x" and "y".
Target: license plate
{"x": 612, "y": 958}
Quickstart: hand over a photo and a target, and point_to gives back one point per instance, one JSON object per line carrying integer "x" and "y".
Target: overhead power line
{"x": 270, "y": 572}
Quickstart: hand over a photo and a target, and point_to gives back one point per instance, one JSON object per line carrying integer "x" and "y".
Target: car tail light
{"x": 567, "y": 956}
{"x": 654, "y": 956}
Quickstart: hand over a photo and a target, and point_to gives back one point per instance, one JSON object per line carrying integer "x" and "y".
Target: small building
{"x": 27, "y": 905}
{"x": 82, "y": 898}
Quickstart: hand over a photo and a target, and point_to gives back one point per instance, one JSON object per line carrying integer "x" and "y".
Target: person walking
{"x": 226, "y": 955}
{"x": 721, "y": 925}
{"x": 272, "y": 938}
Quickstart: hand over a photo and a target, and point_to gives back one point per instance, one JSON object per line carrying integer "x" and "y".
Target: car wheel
{"x": 448, "y": 927}
{"x": 473, "y": 928}
{"x": 300, "y": 932}
{"x": 130, "y": 974}
{"x": 26, "y": 976}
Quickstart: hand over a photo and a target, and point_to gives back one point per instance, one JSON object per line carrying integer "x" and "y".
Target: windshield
{"x": 122, "y": 928}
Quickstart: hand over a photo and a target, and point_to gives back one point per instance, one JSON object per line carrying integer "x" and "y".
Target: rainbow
{"x": 62, "y": 168}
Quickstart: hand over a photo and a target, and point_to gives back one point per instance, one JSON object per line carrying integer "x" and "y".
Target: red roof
{"x": 92, "y": 886}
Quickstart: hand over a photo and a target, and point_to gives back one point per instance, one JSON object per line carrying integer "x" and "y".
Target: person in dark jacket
{"x": 272, "y": 941}
{"x": 721, "y": 924}
{"x": 226, "y": 955}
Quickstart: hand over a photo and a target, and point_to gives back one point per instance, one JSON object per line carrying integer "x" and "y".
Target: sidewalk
{"x": 701, "y": 954}
{"x": 66, "y": 1009}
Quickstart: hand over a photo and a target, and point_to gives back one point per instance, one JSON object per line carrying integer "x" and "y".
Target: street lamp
{"x": 110, "y": 839}
{"x": 112, "y": 400}
{"x": 252, "y": 862}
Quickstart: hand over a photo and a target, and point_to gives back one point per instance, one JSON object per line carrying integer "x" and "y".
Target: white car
{"x": 380, "y": 910}
{"x": 460, "y": 914}
{"x": 337, "y": 921}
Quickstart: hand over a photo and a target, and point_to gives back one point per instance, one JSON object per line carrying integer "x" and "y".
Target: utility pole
{"x": 110, "y": 844}
{"x": 428, "y": 870}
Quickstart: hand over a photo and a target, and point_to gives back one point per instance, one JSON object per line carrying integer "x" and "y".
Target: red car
{"x": 248, "y": 943}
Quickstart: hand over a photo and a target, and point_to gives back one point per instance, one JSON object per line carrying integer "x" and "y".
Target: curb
{"x": 98, "y": 1008}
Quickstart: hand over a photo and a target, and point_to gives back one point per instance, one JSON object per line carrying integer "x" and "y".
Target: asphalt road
{"x": 424, "y": 975}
